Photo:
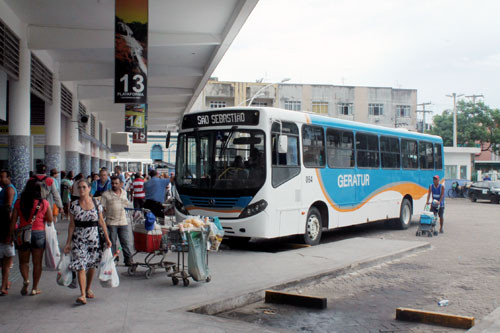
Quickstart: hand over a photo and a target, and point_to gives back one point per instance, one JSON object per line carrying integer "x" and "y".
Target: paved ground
{"x": 462, "y": 266}
{"x": 238, "y": 277}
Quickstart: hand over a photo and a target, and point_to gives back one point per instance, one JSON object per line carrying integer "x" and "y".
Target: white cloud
{"x": 434, "y": 46}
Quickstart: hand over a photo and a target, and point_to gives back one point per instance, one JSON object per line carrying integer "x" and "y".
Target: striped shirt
{"x": 138, "y": 185}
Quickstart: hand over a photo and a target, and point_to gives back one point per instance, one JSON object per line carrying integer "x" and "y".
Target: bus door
{"x": 285, "y": 171}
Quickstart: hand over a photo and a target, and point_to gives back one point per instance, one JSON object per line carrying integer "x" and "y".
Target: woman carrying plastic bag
{"x": 108, "y": 276}
{"x": 64, "y": 274}
{"x": 52, "y": 252}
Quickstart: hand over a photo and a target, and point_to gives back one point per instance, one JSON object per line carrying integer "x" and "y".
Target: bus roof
{"x": 316, "y": 119}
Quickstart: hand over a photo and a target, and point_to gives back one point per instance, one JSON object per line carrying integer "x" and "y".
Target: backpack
{"x": 45, "y": 188}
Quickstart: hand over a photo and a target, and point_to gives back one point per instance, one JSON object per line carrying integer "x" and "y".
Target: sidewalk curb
{"x": 253, "y": 296}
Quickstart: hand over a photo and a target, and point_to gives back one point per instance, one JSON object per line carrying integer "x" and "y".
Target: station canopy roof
{"x": 187, "y": 39}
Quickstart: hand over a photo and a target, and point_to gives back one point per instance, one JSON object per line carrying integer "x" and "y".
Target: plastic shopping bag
{"x": 197, "y": 256}
{"x": 52, "y": 252}
{"x": 64, "y": 274}
{"x": 108, "y": 276}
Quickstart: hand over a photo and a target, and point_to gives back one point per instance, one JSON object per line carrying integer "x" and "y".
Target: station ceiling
{"x": 187, "y": 39}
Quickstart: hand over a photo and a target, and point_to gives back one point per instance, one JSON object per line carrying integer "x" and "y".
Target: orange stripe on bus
{"x": 416, "y": 191}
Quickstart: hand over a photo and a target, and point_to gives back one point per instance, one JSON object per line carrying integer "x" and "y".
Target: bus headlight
{"x": 180, "y": 207}
{"x": 253, "y": 209}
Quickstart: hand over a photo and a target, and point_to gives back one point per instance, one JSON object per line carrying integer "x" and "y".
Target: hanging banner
{"x": 131, "y": 51}
{"x": 136, "y": 119}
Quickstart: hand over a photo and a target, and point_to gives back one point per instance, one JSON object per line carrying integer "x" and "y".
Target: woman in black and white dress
{"x": 83, "y": 239}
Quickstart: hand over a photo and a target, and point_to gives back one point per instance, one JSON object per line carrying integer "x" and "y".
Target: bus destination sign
{"x": 221, "y": 118}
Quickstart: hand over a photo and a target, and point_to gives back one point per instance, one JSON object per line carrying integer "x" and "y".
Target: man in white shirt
{"x": 114, "y": 202}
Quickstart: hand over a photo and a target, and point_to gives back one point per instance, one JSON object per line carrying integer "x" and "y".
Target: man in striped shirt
{"x": 139, "y": 193}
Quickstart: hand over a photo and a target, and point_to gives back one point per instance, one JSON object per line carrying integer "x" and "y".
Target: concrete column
{"x": 95, "y": 164}
{"x": 53, "y": 125}
{"x": 73, "y": 145}
{"x": 85, "y": 164}
{"x": 19, "y": 120}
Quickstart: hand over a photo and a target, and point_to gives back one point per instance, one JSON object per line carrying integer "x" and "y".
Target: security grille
{"x": 9, "y": 51}
{"x": 66, "y": 102}
{"x": 41, "y": 80}
{"x": 82, "y": 111}
{"x": 92, "y": 126}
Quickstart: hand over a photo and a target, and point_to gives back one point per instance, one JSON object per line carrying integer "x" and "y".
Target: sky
{"x": 435, "y": 46}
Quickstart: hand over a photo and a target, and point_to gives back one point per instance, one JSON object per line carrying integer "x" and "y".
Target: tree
{"x": 477, "y": 124}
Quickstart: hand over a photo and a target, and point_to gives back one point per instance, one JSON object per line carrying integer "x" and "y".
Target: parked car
{"x": 485, "y": 190}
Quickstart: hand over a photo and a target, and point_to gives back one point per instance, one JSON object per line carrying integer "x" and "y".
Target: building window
{"x": 375, "y": 109}
{"x": 463, "y": 172}
{"x": 293, "y": 105}
{"x": 217, "y": 104}
{"x": 156, "y": 153}
{"x": 320, "y": 107}
{"x": 344, "y": 109}
{"x": 403, "y": 111}
{"x": 450, "y": 171}
{"x": 259, "y": 104}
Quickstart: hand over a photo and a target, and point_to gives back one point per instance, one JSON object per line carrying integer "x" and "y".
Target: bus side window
{"x": 313, "y": 146}
{"x": 367, "y": 150}
{"x": 438, "y": 156}
{"x": 339, "y": 148}
{"x": 409, "y": 153}
{"x": 389, "y": 151}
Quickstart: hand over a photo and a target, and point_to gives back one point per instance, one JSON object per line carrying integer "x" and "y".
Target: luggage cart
{"x": 153, "y": 246}
{"x": 427, "y": 223}
{"x": 178, "y": 241}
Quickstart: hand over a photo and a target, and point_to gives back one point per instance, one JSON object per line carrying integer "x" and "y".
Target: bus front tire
{"x": 404, "y": 215}
{"x": 312, "y": 234}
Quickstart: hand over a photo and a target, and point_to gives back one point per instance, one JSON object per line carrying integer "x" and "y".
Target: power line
{"x": 474, "y": 98}
{"x": 424, "y": 111}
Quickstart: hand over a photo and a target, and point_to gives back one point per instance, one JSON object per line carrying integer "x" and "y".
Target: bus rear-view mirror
{"x": 283, "y": 144}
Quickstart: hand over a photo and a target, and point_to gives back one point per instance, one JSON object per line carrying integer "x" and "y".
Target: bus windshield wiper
{"x": 226, "y": 142}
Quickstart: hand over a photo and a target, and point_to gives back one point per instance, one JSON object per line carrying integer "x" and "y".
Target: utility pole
{"x": 424, "y": 111}
{"x": 474, "y": 98}
{"x": 454, "y": 96}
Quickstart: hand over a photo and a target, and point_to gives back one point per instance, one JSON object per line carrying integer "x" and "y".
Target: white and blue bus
{"x": 268, "y": 172}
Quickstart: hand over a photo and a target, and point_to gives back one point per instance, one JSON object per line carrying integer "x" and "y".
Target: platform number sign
{"x": 131, "y": 51}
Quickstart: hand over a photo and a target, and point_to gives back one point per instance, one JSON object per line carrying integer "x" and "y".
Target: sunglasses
{"x": 82, "y": 187}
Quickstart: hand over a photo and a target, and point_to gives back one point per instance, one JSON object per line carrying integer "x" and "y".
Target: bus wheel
{"x": 312, "y": 235}
{"x": 404, "y": 215}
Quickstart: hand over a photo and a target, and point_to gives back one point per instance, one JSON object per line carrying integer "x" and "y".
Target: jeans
{"x": 122, "y": 231}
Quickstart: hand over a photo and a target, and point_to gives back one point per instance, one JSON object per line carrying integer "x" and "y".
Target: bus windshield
{"x": 226, "y": 160}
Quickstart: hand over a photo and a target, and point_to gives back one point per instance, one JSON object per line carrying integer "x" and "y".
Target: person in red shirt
{"x": 138, "y": 190}
{"x": 32, "y": 209}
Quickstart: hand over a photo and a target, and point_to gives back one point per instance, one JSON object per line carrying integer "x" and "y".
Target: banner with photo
{"x": 136, "y": 121}
{"x": 131, "y": 51}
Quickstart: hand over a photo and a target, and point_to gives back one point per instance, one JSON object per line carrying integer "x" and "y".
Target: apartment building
{"x": 383, "y": 106}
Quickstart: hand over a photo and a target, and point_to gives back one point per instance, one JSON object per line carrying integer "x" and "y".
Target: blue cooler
{"x": 427, "y": 218}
